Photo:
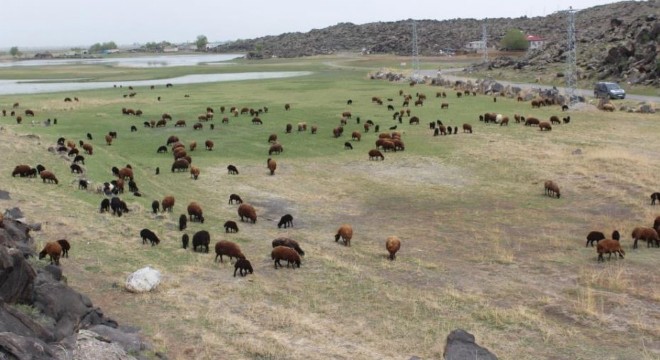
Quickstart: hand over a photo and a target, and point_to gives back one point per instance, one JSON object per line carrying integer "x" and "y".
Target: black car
{"x": 609, "y": 90}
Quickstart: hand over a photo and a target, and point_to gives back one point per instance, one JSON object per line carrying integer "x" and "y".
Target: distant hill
{"x": 618, "y": 41}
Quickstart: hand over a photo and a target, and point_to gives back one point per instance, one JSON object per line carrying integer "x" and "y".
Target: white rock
{"x": 143, "y": 280}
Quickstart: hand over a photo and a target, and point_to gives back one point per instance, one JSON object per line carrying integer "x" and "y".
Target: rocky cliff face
{"x": 616, "y": 41}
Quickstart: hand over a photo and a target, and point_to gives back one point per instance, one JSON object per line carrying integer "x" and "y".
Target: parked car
{"x": 609, "y": 90}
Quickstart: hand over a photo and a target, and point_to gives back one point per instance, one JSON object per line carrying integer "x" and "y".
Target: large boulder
{"x": 91, "y": 346}
{"x": 143, "y": 280}
{"x": 461, "y": 346}
{"x": 13, "y": 346}
{"x": 16, "y": 276}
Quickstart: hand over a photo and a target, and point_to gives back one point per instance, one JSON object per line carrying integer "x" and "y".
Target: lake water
{"x": 138, "y": 61}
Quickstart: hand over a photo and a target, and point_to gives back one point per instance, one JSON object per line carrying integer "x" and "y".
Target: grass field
{"x": 482, "y": 248}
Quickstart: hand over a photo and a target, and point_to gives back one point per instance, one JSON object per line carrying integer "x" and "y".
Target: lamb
{"x": 235, "y": 198}
{"x": 655, "y": 196}
{"x": 594, "y": 236}
{"x": 272, "y": 165}
{"x": 47, "y": 175}
{"x": 248, "y": 212}
{"x": 185, "y": 239}
{"x": 552, "y": 189}
{"x": 228, "y": 248}
{"x": 609, "y": 246}
{"x": 201, "y": 239}
{"x": 149, "y": 235}
{"x": 183, "y": 222}
{"x": 285, "y": 221}
{"x": 53, "y": 249}
{"x": 231, "y": 226}
{"x": 346, "y": 233}
{"x": 392, "y": 244}
{"x": 154, "y": 206}
{"x": 64, "y": 244}
{"x": 167, "y": 203}
{"x": 195, "y": 212}
{"x": 285, "y": 253}
{"x": 644, "y": 233}
{"x": 232, "y": 170}
{"x": 290, "y": 243}
{"x": 244, "y": 266}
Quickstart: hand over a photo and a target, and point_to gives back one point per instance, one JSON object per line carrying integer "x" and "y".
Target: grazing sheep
{"x": 125, "y": 173}
{"x": 183, "y": 222}
{"x": 194, "y": 172}
{"x": 231, "y": 226}
{"x": 116, "y": 206}
{"x": 655, "y": 196}
{"x": 348, "y": 146}
{"x": 566, "y": 119}
{"x": 544, "y": 125}
{"x": 504, "y": 121}
{"x": 133, "y": 128}
{"x": 552, "y": 189}
{"x": 167, "y": 203}
{"x": 272, "y": 165}
{"x": 609, "y": 246}
{"x": 285, "y": 221}
{"x": 132, "y": 186}
{"x": 161, "y": 149}
{"x": 185, "y": 239}
{"x": 414, "y": 120}
{"x": 247, "y": 212}
{"x": 554, "y": 119}
{"x": 290, "y": 243}
{"x": 392, "y": 244}
{"x": 64, "y": 244}
{"x": 532, "y": 121}
{"x": 275, "y": 148}
{"x": 287, "y": 107}
{"x": 180, "y": 165}
{"x": 192, "y": 146}
{"x": 154, "y": 206}
{"x": 108, "y": 140}
{"x": 644, "y": 233}
{"x": 53, "y": 249}
{"x": 285, "y": 253}
{"x": 209, "y": 145}
{"x": 172, "y": 139}
{"x": 228, "y": 248}
{"x": 272, "y": 138}
{"x": 79, "y": 159}
{"x": 615, "y": 235}
{"x": 21, "y": 170}
{"x": 244, "y": 266}
{"x": 47, "y": 175}
{"x": 195, "y": 212}
{"x": 235, "y": 198}
{"x": 201, "y": 239}
{"x": 594, "y": 236}
{"x": 83, "y": 184}
{"x": 232, "y": 170}
{"x": 356, "y": 136}
{"x": 149, "y": 235}
{"x": 467, "y": 128}
{"x": 105, "y": 205}
{"x": 346, "y": 233}
{"x": 374, "y": 154}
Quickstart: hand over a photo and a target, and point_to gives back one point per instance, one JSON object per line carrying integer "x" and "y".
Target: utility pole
{"x": 415, "y": 53}
{"x": 571, "y": 55}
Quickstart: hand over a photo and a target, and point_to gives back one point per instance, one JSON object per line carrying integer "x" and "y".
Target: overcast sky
{"x": 40, "y": 23}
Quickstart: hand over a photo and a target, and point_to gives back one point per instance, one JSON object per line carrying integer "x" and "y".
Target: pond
{"x": 137, "y": 61}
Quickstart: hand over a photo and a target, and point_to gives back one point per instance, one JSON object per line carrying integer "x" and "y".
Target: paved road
{"x": 457, "y": 74}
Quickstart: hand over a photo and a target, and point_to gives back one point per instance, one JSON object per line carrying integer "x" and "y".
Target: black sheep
{"x": 183, "y": 222}
{"x": 115, "y": 205}
{"x": 132, "y": 186}
{"x": 162, "y": 149}
{"x": 105, "y": 205}
{"x": 244, "y": 266}
{"x": 89, "y": 136}
{"x": 184, "y": 241}
{"x": 594, "y": 236}
{"x": 154, "y": 206}
{"x": 201, "y": 239}
{"x": 615, "y": 235}
{"x": 115, "y": 171}
{"x": 40, "y": 168}
{"x": 348, "y": 146}
{"x": 285, "y": 221}
{"x": 231, "y": 226}
{"x": 232, "y": 170}
{"x": 79, "y": 159}
{"x": 236, "y": 198}
{"x": 65, "y": 247}
{"x": 655, "y": 196}
{"x": 157, "y": 170}
{"x": 149, "y": 235}
{"x": 290, "y": 243}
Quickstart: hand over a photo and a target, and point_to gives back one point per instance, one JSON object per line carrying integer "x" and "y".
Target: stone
{"x": 13, "y": 346}
{"x": 143, "y": 280}
{"x": 4, "y": 195}
{"x": 14, "y": 214}
{"x": 91, "y": 346}
{"x": 16, "y": 276}
{"x": 461, "y": 346}
{"x": 130, "y": 342}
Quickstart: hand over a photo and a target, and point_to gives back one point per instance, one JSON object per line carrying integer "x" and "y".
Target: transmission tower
{"x": 484, "y": 38}
{"x": 571, "y": 55}
{"x": 415, "y": 53}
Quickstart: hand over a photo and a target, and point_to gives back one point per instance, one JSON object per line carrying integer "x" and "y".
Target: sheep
{"x": 656, "y": 223}
{"x": 192, "y": 146}
{"x": 47, "y": 175}
{"x": 287, "y": 107}
{"x": 116, "y": 206}
{"x": 544, "y": 125}
{"x": 248, "y": 212}
{"x": 467, "y": 128}
{"x": 655, "y": 196}
{"x": 185, "y": 239}
{"x": 180, "y": 165}
{"x": 532, "y": 121}
{"x": 554, "y": 119}
{"x": 154, "y": 206}
{"x": 105, "y": 206}
{"x": 392, "y": 244}
{"x": 108, "y": 140}
{"x": 231, "y": 226}
{"x": 552, "y": 189}
{"x": 356, "y": 136}
{"x": 209, "y": 145}
{"x": 594, "y": 236}
{"x": 615, "y": 235}
{"x": 374, "y": 154}
{"x": 167, "y": 203}
{"x": 228, "y": 248}
{"x": 149, "y": 235}
{"x": 244, "y": 266}
{"x": 53, "y": 249}
{"x": 272, "y": 138}
{"x": 609, "y": 246}
{"x": 64, "y": 243}
{"x": 235, "y": 198}
{"x": 21, "y": 170}
{"x": 83, "y": 184}
{"x": 194, "y": 172}
{"x": 285, "y": 253}
{"x": 290, "y": 243}
{"x": 285, "y": 221}
{"x": 348, "y": 146}
{"x": 232, "y": 170}
{"x": 183, "y": 222}
{"x": 172, "y": 139}
{"x": 644, "y": 233}
{"x": 201, "y": 239}
{"x": 275, "y": 148}
{"x": 133, "y": 128}
{"x": 272, "y": 165}
{"x": 79, "y": 159}
{"x": 132, "y": 186}
{"x": 195, "y": 212}
{"x": 346, "y": 233}
{"x": 125, "y": 173}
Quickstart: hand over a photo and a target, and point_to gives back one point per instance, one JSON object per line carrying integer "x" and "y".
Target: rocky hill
{"x": 617, "y": 41}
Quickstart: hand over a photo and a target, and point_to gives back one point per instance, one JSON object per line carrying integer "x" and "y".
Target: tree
{"x": 98, "y": 47}
{"x": 514, "y": 39}
{"x": 14, "y": 51}
{"x": 201, "y": 42}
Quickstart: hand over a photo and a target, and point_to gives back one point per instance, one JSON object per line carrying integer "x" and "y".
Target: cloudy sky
{"x": 41, "y": 23}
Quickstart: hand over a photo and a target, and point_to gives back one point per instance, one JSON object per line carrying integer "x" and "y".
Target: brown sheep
{"x": 192, "y": 146}
{"x": 247, "y": 212}
{"x": 392, "y": 244}
{"x": 194, "y": 172}
{"x": 532, "y": 121}
{"x": 21, "y": 170}
{"x": 180, "y": 123}
{"x": 195, "y": 212}
{"x": 47, "y": 175}
{"x": 504, "y": 121}
{"x": 374, "y": 154}
{"x": 356, "y": 136}
{"x": 609, "y": 246}
{"x": 65, "y": 247}
{"x": 53, "y": 250}
{"x": 314, "y": 129}
{"x": 89, "y": 149}
{"x": 544, "y": 125}
{"x": 555, "y": 119}
{"x": 244, "y": 266}
{"x": 172, "y": 140}
{"x": 180, "y": 165}
{"x": 209, "y": 145}
{"x": 272, "y": 165}
{"x": 125, "y": 173}
{"x": 467, "y": 128}
{"x": 290, "y": 243}
{"x": 275, "y": 148}
{"x": 287, "y": 107}
{"x": 168, "y": 203}
{"x": 551, "y": 189}
{"x": 227, "y": 248}
{"x": 594, "y": 237}
{"x": 272, "y": 138}
{"x": 285, "y": 253}
{"x": 346, "y": 233}
{"x": 230, "y": 226}
{"x": 644, "y": 233}
{"x": 198, "y": 126}
{"x": 108, "y": 140}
